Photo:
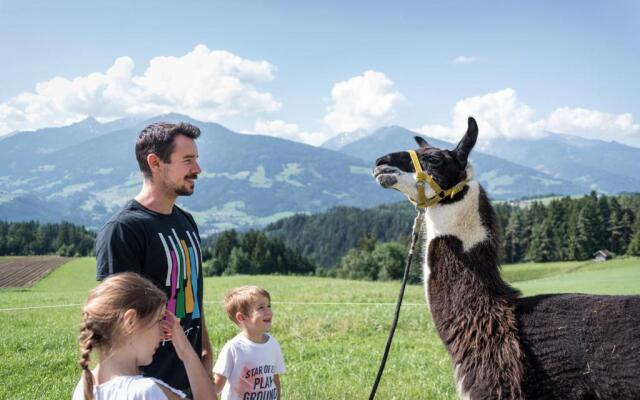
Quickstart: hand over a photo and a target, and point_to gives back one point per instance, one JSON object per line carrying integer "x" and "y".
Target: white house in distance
{"x": 602, "y": 255}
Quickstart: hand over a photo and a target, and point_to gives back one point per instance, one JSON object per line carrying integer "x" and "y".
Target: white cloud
{"x": 204, "y": 84}
{"x": 502, "y": 114}
{"x": 498, "y": 114}
{"x": 363, "y": 102}
{"x": 290, "y": 131}
{"x": 594, "y": 124}
{"x": 464, "y": 60}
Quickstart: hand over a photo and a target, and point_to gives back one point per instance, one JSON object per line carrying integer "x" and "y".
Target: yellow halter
{"x": 422, "y": 177}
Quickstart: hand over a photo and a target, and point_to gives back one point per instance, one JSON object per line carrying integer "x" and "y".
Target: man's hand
{"x": 207, "y": 361}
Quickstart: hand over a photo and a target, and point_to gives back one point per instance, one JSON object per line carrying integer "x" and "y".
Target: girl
{"x": 124, "y": 320}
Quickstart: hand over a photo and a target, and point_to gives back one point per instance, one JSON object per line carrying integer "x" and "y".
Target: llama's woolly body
{"x": 564, "y": 346}
{"x": 580, "y": 346}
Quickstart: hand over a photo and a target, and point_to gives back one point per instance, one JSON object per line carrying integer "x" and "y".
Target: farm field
{"x": 23, "y": 271}
{"x": 332, "y": 331}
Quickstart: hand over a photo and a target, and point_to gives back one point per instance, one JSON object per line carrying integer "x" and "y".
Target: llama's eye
{"x": 436, "y": 161}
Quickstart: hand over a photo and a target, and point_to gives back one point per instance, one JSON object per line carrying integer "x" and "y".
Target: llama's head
{"x": 446, "y": 167}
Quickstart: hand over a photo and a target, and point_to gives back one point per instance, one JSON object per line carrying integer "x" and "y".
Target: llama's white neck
{"x": 460, "y": 219}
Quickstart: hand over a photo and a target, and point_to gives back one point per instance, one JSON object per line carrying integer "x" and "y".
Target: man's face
{"x": 180, "y": 174}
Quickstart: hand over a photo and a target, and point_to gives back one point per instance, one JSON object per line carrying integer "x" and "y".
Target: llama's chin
{"x": 387, "y": 180}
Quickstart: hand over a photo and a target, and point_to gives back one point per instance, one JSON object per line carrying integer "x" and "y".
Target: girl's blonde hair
{"x": 102, "y": 315}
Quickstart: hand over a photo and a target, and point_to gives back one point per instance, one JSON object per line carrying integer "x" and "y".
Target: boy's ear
{"x": 240, "y": 317}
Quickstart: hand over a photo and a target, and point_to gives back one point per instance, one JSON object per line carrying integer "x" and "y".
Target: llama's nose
{"x": 383, "y": 160}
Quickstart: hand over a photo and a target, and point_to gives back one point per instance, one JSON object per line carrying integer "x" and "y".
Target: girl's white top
{"x": 135, "y": 387}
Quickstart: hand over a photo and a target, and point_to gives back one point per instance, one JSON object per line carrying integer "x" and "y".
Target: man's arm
{"x": 207, "y": 352}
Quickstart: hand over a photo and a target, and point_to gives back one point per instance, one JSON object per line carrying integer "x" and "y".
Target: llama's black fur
{"x": 503, "y": 346}
{"x": 580, "y": 346}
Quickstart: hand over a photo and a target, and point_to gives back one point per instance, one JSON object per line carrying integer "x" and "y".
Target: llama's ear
{"x": 421, "y": 142}
{"x": 463, "y": 148}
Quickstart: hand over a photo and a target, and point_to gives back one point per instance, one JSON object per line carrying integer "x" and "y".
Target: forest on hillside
{"x": 33, "y": 238}
{"x": 371, "y": 244}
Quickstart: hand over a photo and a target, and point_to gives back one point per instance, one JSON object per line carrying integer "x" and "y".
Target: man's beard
{"x": 183, "y": 191}
{"x": 186, "y": 190}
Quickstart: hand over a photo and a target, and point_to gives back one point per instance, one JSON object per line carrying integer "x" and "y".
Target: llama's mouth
{"x": 385, "y": 175}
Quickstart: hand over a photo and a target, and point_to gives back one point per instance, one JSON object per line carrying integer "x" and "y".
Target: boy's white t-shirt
{"x": 134, "y": 387}
{"x": 250, "y": 368}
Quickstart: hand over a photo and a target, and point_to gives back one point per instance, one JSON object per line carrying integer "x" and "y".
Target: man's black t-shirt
{"x": 166, "y": 250}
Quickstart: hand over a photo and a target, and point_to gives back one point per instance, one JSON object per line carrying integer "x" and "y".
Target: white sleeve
{"x": 149, "y": 389}
{"x": 225, "y": 362}
{"x": 78, "y": 392}
{"x": 175, "y": 391}
{"x": 280, "y": 368}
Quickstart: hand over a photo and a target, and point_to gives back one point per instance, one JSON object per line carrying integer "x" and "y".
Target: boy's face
{"x": 259, "y": 318}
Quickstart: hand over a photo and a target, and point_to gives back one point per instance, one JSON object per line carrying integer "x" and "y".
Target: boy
{"x": 250, "y": 364}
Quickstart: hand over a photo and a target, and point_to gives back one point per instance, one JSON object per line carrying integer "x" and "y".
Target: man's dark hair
{"x": 158, "y": 138}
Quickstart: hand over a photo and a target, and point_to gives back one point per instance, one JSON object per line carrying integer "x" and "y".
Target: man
{"x": 160, "y": 241}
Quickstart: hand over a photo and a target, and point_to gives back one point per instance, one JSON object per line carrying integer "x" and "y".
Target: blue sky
{"x": 308, "y": 70}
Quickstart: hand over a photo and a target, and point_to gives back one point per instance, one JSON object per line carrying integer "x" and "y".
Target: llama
{"x": 503, "y": 346}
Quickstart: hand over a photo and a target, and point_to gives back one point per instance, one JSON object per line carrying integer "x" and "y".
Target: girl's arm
{"x": 276, "y": 379}
{"x": 201, "y": 386}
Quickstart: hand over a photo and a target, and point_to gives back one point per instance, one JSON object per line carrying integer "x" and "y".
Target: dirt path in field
{"x": 25, "y": 271}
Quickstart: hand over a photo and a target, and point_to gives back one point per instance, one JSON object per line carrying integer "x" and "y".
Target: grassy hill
{"x": 332, "y": 331}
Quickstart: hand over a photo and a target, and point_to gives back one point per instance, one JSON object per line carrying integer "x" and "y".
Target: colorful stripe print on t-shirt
{"x": 183, "y": 263}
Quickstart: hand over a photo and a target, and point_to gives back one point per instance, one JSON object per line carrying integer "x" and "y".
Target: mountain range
{"x": 85, "y": 172}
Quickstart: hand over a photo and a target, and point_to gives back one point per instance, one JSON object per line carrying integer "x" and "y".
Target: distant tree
{"x": 503, "y": 214}
{"x": 586, "y": 234}
{"x": 358, "y": 264}
{"x": 625, "y": 230}
{"x": 238, "y": 263}
{"x": 558, "y": 216}
{"x": 614, "y": 227}
{"x": 603, "y": 214}
{"x": 542, "y": 247}
{"x": 367, "y": 242}
{"x": 221, "y": 252}
{"x": 634, "y": 245}
{"x": 390, "y": 258}
{"x": 513, "y": 246}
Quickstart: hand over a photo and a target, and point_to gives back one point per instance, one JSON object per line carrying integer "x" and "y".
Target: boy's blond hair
{"x": 241, "y": 299}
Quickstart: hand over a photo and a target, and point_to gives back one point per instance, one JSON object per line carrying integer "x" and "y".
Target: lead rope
{"x": 417, "y": 223}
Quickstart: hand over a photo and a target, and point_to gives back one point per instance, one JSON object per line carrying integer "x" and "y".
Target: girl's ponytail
{"x": 86, "y": 345}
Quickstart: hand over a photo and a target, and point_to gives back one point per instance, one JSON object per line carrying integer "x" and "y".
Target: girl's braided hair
{"x": 102, "y": 315}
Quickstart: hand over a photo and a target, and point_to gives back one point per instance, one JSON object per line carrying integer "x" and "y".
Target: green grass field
{"x": 332, "y": 331}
